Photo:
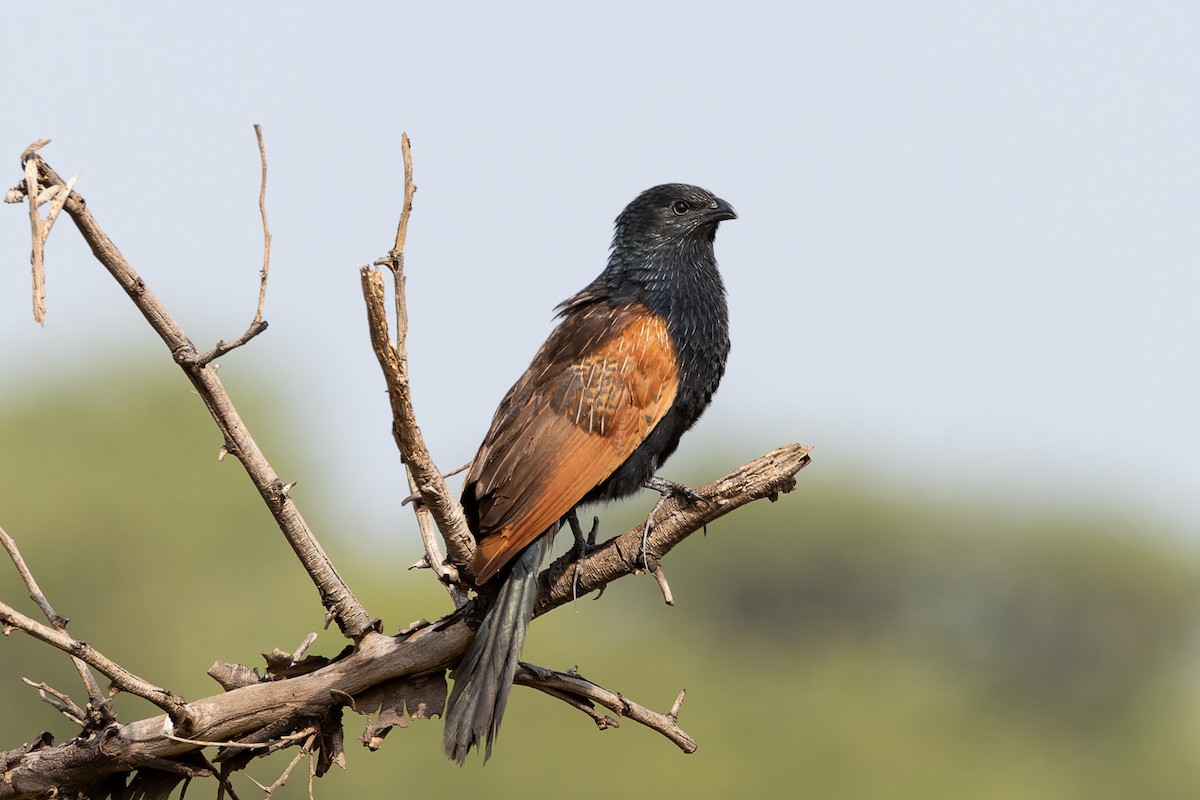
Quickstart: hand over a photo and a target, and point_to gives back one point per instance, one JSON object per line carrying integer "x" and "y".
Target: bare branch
{"x": 257, "y": 325}
{"x": 433, "y": 559}
{"x": 262, "y": 210}
{"x": 35, "y": 591}
{"x": 57, "y": 621}
{"x": 765, "y": 477}
{"x": 37, "y": 256}
{"x": 305, "y": 750}
{"x": 660, "y": 578}
{"x": 336, "y": 596}
{"x": 586, "y": 707}
{"x": 236, "y": 715}
{"x": 308, "y": 642}
{"x": 223, "y": 347}
{"x": 60, "y": 701}
{"x": 572, "y": 684}
{"x": 678, "y": 704}
{"x": 40, "y": 228}
{"x": 410, "y": 189}
{"x": 122, "y": 680}
{"x": 224, "y": 785}
{"x": 393, "y": 361}
{"x": 435, "y": 495}
{"x": 272, "y": 705}
{"x": 267, "y": 745}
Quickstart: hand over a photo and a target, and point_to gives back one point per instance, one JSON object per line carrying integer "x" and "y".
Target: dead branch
{"x": 660, "y": 577}
{"x": 766, "y": 477}
{"x": 305, "y": 750}
{"x": 234, "y": 715}
{"x": 56, "y": 196}
{"x": 257, "y": 325}
{"x": 59, "y": 701}
{"x": 35, "y": 591}
{"x": 575, "y": 686}
{"x": 262, "y": 210}
{"x": 121, "y": 679}
{"x": 336, "y": 596}
{"x": 239, "y": 713}
{"x": 433, "y": 559}
{"x": 393, "y": 360}
{"x": 435, "y": 495}
{"x": 96, "y": 703}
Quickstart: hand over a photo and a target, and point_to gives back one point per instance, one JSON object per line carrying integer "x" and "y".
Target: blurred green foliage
{"x": 845, "y": 642}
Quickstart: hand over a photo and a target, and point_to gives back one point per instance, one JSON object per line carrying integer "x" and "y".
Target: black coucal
{"x": 631, "y": 366}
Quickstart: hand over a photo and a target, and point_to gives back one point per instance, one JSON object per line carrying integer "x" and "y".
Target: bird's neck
{"x": 683, "y": 286}
{"x": 671, "y": 279}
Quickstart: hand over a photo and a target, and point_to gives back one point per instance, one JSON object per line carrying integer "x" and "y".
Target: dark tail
{"x": 485, "y": 674}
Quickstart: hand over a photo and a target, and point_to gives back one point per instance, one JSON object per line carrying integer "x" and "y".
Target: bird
{"x": 634, "y": 361}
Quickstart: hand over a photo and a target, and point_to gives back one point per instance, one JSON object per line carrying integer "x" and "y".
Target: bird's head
{"x": 670, "y": 214}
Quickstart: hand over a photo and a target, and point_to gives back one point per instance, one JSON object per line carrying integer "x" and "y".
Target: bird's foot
{"x": 583, "y": 545}
{"x": 667, "y": 490}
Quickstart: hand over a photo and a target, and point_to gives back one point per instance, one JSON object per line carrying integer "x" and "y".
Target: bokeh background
{"x": 965, "y": 270}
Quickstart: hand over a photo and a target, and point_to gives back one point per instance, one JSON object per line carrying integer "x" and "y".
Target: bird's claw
{"x": 668, "y": 489}
{"x": 583, "y": 545}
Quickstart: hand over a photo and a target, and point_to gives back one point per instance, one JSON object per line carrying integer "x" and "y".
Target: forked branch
{"x": 341, "y": 604}
{"x": 424, "y": 476}
{"x": 257, "y": 325}
{"x": 98, "y": 710}
{"x": 124, "y": 681}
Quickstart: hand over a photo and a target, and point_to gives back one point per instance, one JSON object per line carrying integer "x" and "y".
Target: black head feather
{"x": 670, "y": 215}
{"x": 663, "y": 246}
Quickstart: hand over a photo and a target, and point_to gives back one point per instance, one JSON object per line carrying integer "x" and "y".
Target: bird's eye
{"x": 680, "y": 207}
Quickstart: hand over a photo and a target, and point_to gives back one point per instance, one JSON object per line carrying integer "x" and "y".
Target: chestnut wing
{"x": 594, "y": 393}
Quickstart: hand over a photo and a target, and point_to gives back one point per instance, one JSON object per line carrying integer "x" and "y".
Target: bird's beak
{"x": 719, "y": 210}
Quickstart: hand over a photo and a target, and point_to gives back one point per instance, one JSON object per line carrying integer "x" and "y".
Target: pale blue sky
{"x": 967, "y": 252}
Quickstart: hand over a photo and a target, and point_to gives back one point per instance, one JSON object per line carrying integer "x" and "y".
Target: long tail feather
{"x": 485, "y": 675}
